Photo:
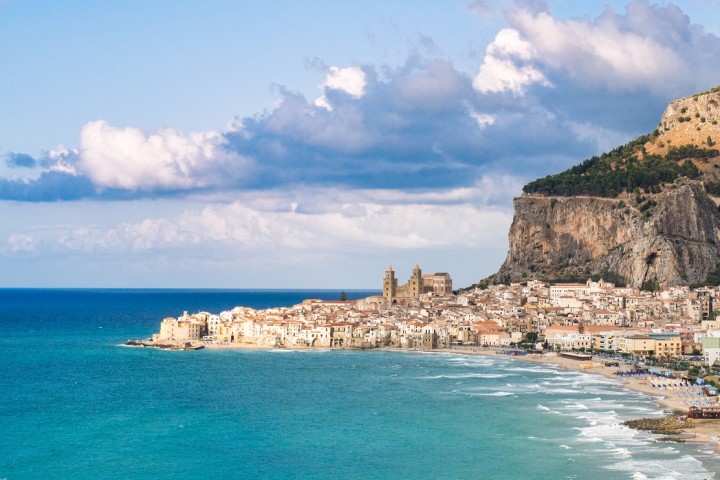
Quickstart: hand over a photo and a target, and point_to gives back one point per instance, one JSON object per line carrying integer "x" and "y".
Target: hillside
{"x": 644, "y": 214}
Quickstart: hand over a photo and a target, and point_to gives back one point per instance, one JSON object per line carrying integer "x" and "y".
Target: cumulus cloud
{"x": 303, "y": 231}
{"x": 130, "y": 159}
{"x": 649, "y": 47}
{"x": 50, "y": 186}
{"x": 350, "y": 80}
{"x": 505, "y": 66}
{"x": 351, "y": 222}
{"x": 481, "y": 8}
{"x": 61, "y": 160}
{"x": 20, "y": 160}
{"x": 21, "y": 243}
{"x": 483, "y": 119}
{"x": 546, "y": 95}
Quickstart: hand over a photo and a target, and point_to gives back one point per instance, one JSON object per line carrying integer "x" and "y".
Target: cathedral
{"x": 417, "y": 285}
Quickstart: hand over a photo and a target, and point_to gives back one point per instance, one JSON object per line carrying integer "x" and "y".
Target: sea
{"x": 76, "y": 404}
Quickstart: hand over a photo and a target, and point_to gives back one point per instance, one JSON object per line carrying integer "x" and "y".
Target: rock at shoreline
{"x": 669, "y": 426}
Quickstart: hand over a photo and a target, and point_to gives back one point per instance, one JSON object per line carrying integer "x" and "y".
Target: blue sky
{"x": 309, "y": 144}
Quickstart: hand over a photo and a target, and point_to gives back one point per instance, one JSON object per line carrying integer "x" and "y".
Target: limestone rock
{"x": 676, "y": 244}
{"x": 671, "y": 237}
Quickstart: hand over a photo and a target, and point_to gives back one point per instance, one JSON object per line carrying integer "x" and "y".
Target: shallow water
{"x": 77, "y": 405}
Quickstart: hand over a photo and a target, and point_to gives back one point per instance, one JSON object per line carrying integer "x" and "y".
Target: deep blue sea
{"x": 75, "y": 404}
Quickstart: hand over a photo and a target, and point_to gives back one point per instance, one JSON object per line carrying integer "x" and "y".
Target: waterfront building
{"x": 182, "y": 329}
{"x": 711, "y": 348}
{"x": 667, "y": 344}
{"x": 424, "y": 314}
{"x": 639, "y": 345}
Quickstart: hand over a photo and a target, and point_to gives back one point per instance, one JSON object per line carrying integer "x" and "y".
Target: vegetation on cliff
{"x": 623, "y": 169}
{"x": 713, "y": 278}
{"x": 566, "y": 277}
{"x": 645, "y": 214}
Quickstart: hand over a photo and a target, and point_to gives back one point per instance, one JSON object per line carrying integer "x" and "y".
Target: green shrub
{"x": 713, "y": 188}
{"x": 620, "y": 170}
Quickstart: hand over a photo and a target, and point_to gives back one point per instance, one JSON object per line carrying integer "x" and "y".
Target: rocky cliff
{"x": 665, "y": 232}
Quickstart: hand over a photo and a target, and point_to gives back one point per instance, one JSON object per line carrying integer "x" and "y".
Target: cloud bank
{"x": 548, "y": 93}
{"x": 328, "y": 220}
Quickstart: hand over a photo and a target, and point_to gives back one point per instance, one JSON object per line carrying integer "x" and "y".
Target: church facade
{"x": 417, "y": 285}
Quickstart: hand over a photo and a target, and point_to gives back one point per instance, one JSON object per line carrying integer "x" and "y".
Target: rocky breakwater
{"x": 670, "y": 426}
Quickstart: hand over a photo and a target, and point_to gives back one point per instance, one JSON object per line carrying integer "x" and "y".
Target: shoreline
{"x": 697, "y": 430}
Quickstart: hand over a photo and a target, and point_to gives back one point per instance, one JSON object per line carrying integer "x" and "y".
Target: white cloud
{"x": 129, "y": 158}
{"x": 483, "y": 119}
{"x": 323, "y": 102}
{"x": 21, "y": 243}
{"x": 599, "y": 51}
{"x": 315, "y": 221}
{"x": 62, "y": 160}
{"x": 508, "y": 44}
{"x": 506, "y": 65}
{"x": 350, "y": 80}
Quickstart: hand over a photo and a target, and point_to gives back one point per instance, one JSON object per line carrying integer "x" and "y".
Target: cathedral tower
{"x": 389, "y": 285}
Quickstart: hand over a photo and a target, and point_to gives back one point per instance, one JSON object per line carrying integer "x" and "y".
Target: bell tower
{"x": 415, "y": 283}
{"x": 389, "y": 285}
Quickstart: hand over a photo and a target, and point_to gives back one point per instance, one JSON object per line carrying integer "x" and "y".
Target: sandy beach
{"x": 699, "y": 430}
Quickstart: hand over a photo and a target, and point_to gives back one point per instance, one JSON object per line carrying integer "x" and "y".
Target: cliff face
{"x": 688, "y": 121}
{"x": 675, "y": 242}
{"x": 652, "y": 217}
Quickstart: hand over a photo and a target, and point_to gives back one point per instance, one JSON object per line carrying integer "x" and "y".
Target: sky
{"x": 286, "y": 144}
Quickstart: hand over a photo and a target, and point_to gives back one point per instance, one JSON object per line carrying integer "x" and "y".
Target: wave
{"x": 540, "y": 370}
{"x": 469, "y": 361}
{"x": 686, "y": 467}
{"x": 543, "y": 408}
{"x": 615, "y": 432}
{"x": 620, "y": 452}
{"x": 560, "y": 391}
{"x": 491, "y": 394}
{"x": 469, "y": 375}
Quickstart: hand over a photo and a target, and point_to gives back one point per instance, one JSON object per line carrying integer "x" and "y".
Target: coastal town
{"x": 620, "y": 332}
{"x": 425, "y": 314}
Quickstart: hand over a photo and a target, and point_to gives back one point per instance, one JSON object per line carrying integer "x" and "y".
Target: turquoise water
{"x": 75, "y": 404}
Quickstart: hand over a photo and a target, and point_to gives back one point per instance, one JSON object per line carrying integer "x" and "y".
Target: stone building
{"x": 438, "y": 283}
{"x": 418, "y": 284}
